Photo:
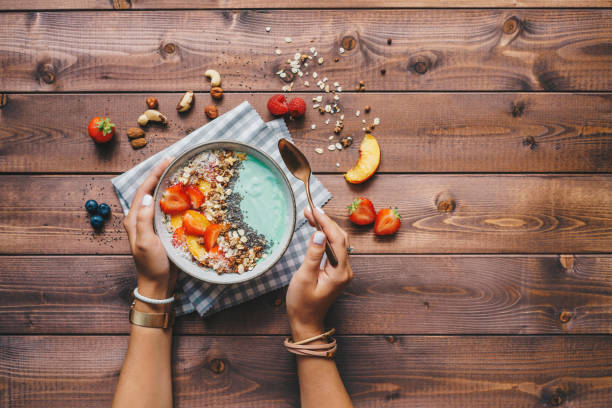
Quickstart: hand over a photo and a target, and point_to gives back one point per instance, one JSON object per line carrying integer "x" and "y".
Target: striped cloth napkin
{"x": 245, "y": 125}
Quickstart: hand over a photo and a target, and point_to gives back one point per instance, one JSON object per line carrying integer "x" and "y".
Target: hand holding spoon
{"x": 298, "y": 165}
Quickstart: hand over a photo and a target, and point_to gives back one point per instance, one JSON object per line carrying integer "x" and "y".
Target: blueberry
{"x": 91, "y": 206}
{"x": 104, "y": 210}
{"x": 96, "y": 221}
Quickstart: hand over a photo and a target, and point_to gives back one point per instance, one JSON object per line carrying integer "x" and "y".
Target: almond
{"x": 135, "y": 133}
{"x": 139, "y": 143}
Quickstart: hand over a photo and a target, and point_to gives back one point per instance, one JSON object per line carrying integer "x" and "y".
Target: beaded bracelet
{"x": 150, "y": 300}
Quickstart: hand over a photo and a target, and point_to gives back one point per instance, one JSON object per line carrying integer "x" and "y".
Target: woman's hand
{"x": 313, "y": 289}
{"x": 156, "y": 278}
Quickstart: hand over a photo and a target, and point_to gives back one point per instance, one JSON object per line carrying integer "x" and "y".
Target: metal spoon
{"x": 298, "y": 165}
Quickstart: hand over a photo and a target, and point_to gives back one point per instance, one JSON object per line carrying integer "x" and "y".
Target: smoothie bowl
{"x": 225, "y": 212}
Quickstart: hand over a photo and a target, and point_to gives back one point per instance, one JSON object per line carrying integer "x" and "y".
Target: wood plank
{"x": 270, "y": 4}
{"x": 443, "y": 49}
{"x": 444, "y": 294}
{"x": 392, "y": 371}
{"x": 492, "y": 214}
{"x": 452, "y": 132}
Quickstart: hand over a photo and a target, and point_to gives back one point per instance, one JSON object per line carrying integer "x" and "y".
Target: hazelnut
{"x": 211, "y": 111}
{"x": 216, "y": 92}
{"x": 389, "y": 41}
{"x": 367, "y": 109}
{"x": 383, "y": 71}
{"x": 346, "y": 141}
{"x": 152, "y": 102}
{"x": 337, "y": 130}
{"x": 336, "y": 59}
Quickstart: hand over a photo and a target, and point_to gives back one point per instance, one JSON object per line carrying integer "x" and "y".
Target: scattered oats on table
{"x": 319, "y": 150}
{"x": 331, "y": 147}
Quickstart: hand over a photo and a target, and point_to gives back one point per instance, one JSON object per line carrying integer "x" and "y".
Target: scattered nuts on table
{"x": 185, "y": 103}
{"x": 153, "y": 116}
{"x": 367, "y": 109}
{"x": 346, "y": 141}
{"x": 215, "y": 77}
{"x": 383, "y": 71}
{"x": 211, "y": 111}
{"x": 389, "y": 41}
{"x": 152, "y": 102}
{"x": 135, "y": 133}
{"x": 216, "y": 92}
{"x": 138, "y": 143}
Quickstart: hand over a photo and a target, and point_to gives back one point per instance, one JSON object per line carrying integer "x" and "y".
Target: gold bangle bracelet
{"x": 153, "y": 320}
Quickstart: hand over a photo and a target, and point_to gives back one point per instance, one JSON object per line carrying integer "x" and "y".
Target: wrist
{"x": 301, "y": 331}
{"x": 155, "y": 289}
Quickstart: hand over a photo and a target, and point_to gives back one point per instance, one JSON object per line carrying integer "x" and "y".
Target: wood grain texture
{"x": 430, "y": 132}
{"x": 271, "y": 4}
{"x": 390, "y": 294}
{"x": 442, "y": 50}
{"x": 393, "y": 371}
{"x": 492, "y": 214}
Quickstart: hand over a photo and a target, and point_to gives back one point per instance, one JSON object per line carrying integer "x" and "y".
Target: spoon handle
{"x": 329, "y": 251}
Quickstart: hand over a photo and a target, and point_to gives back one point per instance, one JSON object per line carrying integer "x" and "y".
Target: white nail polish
{"x": 147, "y": 200}
{"x": 319, "y": 209}
{"x": 318, "y": 238}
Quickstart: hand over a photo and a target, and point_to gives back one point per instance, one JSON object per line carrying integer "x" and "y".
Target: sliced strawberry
{"x": 387, "y": 221}
{"x": 215, "y": 252}
{"x": 195, "y": 223}
{"x": 178, "y": 238}
{"x": 277, "y": 105}
{"x": 211, "y": 235}
{"x": 196, "y": 197}
{"x": 361, "y": 211}
{"x": 174, "y": 200}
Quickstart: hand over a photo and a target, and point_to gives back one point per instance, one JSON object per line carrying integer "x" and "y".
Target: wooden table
{"x": 496, "y": 136}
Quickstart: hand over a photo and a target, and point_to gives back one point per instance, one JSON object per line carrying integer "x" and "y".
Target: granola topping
{"x": 240, "y": 247}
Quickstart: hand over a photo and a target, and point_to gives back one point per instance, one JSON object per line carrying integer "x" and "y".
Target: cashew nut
{"x": 151, "y": 115}
{"x": 215, "y": 78}
{"x": 185, "y": 104}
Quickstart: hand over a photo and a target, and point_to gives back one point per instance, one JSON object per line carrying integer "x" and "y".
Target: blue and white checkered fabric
{"x": 243, "y": 124}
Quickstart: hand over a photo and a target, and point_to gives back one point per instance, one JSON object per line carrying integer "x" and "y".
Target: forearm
{"x": 146, "y": 379}
{"x": 320, "y": 382}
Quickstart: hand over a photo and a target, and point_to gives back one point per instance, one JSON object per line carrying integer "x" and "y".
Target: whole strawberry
{"x": 297, "y": 107}
{"x": 277, "y": 105}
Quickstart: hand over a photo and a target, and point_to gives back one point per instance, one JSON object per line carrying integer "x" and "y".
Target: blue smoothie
{"x": 263, "y": 205}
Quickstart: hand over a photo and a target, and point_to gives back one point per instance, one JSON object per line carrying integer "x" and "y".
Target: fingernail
{"x": 307, "y": 210}
{"x": 318, "y": 238}
{"x": 147, "y": 200}
{"x": 319, "y": 209}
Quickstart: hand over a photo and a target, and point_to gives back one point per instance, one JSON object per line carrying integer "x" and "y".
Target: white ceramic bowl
{"x": 207, "y": 274}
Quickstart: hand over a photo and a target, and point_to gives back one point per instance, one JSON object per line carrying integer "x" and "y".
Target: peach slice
{"x": 204, "y": 186}
{"x": 369, "y": 159}
{"x": 194, "y": 246}
{"x": 176, "y": 220}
